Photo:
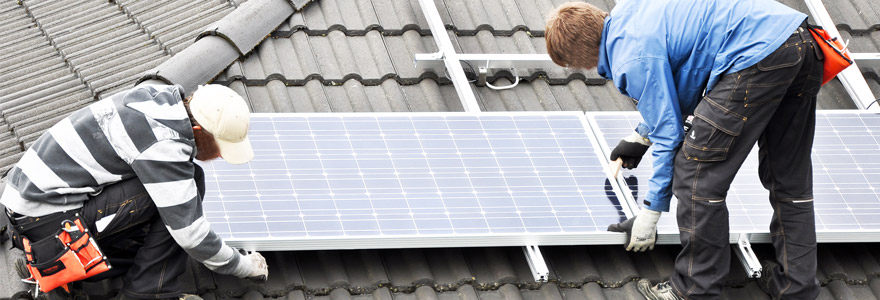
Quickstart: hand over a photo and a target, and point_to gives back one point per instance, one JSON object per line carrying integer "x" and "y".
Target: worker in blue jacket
{"x": 748, "y": 71}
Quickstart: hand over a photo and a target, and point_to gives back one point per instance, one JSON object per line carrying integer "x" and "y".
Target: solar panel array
{"x": 374, "y": 175}
{"x": 846, "y": 170}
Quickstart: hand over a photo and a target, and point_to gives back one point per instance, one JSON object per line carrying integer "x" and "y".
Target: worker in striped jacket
{"x": 125, "y": 165}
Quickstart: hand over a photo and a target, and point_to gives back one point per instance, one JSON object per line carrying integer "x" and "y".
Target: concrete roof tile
{"x": 28, "y": 57}
{"x": 397, "y": 14}
{"x": 352, "y": 15}
{"x": 402, "y": 50}
{"x": 496, "y": 14}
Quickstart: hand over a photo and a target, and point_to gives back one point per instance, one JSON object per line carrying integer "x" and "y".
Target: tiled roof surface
{"x": 339, "y": 56}
{"x": 61, "y": 55}
{"x": 373, "y": 42}
{"x": 576, "y": 273}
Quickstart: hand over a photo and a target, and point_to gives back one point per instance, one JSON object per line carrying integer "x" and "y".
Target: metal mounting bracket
{"x": 747, "y": 257}
{"x": 536, "y": 263}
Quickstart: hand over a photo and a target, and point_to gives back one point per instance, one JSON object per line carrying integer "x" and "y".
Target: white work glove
{"x": 641, "y": 230}
{"x": 256, "y": 267}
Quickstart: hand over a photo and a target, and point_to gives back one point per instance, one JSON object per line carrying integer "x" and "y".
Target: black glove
{"x": 630, "y": 150}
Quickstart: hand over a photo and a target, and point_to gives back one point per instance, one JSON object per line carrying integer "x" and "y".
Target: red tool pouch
{"x": 836, "y": 55}
{"x": 79, "y": 258}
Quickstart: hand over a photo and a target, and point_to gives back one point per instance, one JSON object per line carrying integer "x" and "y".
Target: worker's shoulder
{"x": 160, "y": 102}
{"x": 161, "y": 94}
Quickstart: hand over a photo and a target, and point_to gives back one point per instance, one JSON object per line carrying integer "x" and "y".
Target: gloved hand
{"x": 641, "y": 230}
{"x": 631, "y": 149}
{"x": 257, "y": 270}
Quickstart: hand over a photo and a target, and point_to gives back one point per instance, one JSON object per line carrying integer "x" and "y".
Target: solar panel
{"x": 846, "y": 166}
{"x": 336, "y": 181}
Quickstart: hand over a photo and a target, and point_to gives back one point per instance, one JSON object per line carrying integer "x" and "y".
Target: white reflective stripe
{"x": 67, "y": 137}
{"x": 172, "y": 193}
{"x": 221, "y": 258}
{"x": 111, "y": 124}
{"x": 715, "y": 201}
{"x": 13, "y": 201}
{"x": 191, "y": 236}
{"x": 167, "y": 150}
{"x": 71, "y": 191}
{"x": 160, "y": 111}
{"x": 10, "y": 197}
{"x": 39, "y": 173}
{"x": 802, "y": 201}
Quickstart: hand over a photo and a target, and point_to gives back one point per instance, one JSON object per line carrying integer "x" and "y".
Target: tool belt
{"x": 71, "y": 254}
{"x": 836, "y": 54}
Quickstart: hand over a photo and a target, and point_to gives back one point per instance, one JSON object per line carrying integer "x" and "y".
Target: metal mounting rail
{"x": 449, "y": 57}
{"x": 747, "y": 257}
{"x": 491, "y": 61}
{"x": 851, "y": 78}
{"x": 536, "y": 263}
{"x": 483, "y": 63}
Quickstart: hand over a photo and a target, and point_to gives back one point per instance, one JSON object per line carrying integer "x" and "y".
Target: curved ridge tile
{"x": 246, "y": 26}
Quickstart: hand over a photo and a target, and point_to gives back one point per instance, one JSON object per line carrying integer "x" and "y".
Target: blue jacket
{"x": 665, "y": 53}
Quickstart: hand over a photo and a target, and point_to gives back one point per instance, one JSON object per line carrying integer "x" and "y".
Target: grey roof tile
{"x": 488, "y": 15}
{"x": 402, "y": 15}
{"x": 539, "y": 95}
{"x": 834, "y": 96}
{"x": 428, "y": 95}
{"x": 174, "y": 25}
{"x": 858, "y": 16}
{"x": 402, "y": 49}
{"x": 350, "y": 96}
{"x": 352, "y": 15}
{"x": 62, "y": 55}
{"x": 339, "y": 56}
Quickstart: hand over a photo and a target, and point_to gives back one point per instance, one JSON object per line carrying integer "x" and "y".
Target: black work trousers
{"x": 132, "y": 236}
{"x": 772, "y": 103}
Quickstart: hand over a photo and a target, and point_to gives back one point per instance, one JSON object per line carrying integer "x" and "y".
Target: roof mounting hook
{"x": 481, "y": 80}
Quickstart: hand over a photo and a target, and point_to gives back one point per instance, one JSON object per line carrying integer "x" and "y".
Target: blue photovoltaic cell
{"x": 846, "y": 165}
{"x": 420, "y": 174}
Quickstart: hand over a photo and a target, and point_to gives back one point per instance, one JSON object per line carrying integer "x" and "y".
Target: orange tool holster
{"x": 79, "y": 259}
{"x": 836, "y": 55}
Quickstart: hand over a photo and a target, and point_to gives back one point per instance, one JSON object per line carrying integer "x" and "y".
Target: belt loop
{"x": 804, "y": 31}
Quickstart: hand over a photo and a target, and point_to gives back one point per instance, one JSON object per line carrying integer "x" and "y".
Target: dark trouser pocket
{"x": 713, "y": 132}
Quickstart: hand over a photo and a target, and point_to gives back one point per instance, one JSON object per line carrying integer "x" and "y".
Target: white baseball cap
{"x": 224, "y": 114}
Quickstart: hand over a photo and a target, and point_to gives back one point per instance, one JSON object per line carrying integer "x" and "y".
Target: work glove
{"x": 630, "y": 150}
{"x": 641, "y": 230}
{"x": 257, "y": 269}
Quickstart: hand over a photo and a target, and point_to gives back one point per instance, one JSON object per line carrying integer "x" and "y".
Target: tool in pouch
{"x": 618, "y": 163}
{"x": 78, "y": 259}
{"x": 835, "y": 53}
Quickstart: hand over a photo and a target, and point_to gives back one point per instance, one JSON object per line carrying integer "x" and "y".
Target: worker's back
{"x": 701, "y": 39}
{"x": 93, "y": 147}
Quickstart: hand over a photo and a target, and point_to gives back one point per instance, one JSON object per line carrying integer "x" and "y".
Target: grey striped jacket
{"x": 143, "y": 132}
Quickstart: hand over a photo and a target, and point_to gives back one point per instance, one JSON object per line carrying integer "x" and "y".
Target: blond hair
{"x": 573, "y": 32}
